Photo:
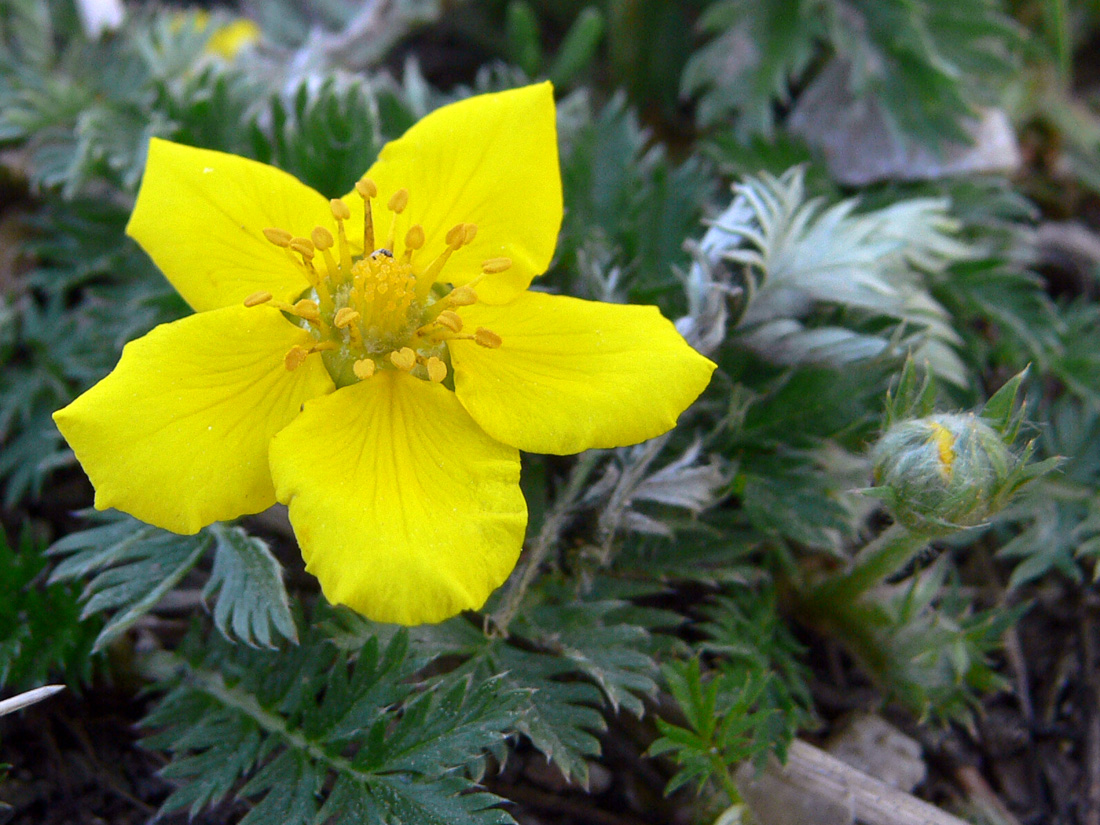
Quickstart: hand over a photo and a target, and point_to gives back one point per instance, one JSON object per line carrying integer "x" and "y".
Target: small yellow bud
{"x": 943, "y": 471}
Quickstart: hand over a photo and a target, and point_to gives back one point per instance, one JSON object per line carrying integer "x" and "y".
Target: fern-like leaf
{"x": 274, "y": 729}
{"x": 252, "y": 604}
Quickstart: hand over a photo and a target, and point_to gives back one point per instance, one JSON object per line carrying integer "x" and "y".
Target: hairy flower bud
{"x": 945, "y": 471}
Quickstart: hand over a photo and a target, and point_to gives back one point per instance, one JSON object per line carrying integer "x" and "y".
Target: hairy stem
{"x": 887, "y": 554}
{"x": 556, "y": 521}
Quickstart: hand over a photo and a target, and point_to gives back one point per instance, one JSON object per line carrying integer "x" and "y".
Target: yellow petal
{"x": 404, "y": 509}
{"x": 178, "y": 434}
{"x": 490, "y": 160}
{"x": 571, "y": 375}
{"x": 201, "y": 214}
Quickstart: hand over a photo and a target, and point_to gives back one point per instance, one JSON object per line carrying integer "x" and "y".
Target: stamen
{"x": 469, "y": 232}
{"x": 404, "y": 359}
{"x": 279, "y": 237}
{"x": 257, "y": 298}
{"x": 487, "y": 338}
{"x": 455, "y": 238}
{"x": 437, "y": 370}
{"x": 414, "y": 240}
{"x": 339, "y": 209}
{"x": 295, "y": 357}
{"x": 307, "y": 310}
{"x": 323, "y": 240}
{"x": 341, "y": 213}
{"x": 363, "y": 368}
{"x": 367, "y": 190}
{"x": 303, "y": 246}
{"x": 456, "y": 235}
{"x": 462, "y": 296}
{"x": 495, "y": 265}
{"x": 397, "y": 203}
{"x": 443, "y": 327}
{"x": 450, "y": 319}
{"x": 345, "y": 317}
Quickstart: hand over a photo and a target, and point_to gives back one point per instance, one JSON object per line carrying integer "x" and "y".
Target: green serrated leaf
{"x": 282, "y": 726}
{"x": 252, "y": 604}
{"x": 1000, "y": 410}
{"x": 133, "y": 567}
{"x": 578, "y": 47}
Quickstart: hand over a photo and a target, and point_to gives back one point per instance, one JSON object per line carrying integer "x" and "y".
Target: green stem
{"x": 1058, "y": 27}
{"x": 720, "y": 769}
{"x": 887, "y": 554}
{"x": 556, "y": 521}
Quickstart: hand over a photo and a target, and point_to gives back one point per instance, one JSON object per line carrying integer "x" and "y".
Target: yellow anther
{"x": 295, "y": 358}
{"x": 450, "y": 320}
{"x": 398, "y": 201}
{"x": 437, "y": 370}
{"x": 363, "y": 368}
{"x": 322, "y": 238}
{"x": 366, "y": 188}
{"x": 469, "y": 232}
{"x": 303, "y": 246}
{"x": 339, "y": 209}
{"x": 495, "y": 265}
{"x": 257, "y": 298}
{"x": 462, "y": 296}
{"x": 308, "y": 310}
{"x": 456, "y": 235}
{"x": 487, "y": 338}
{"x": 345, "y": 317}
{"x": 414, "y": 238}
{"x": 404, "y": 359}
{"x": 279, "y": 237}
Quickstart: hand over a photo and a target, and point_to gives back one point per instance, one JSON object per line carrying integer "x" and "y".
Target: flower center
{"x": 384, "y": 309}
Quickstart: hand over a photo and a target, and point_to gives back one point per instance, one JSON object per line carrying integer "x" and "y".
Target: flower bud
{"x": 944, "y": 471}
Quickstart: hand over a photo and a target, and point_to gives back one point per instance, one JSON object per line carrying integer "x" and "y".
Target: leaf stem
{"x": 556, "y": 521}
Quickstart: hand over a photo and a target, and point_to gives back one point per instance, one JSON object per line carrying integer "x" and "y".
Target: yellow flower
{"x": 227, "y": 40}
{"x": 376, "y": 361}
{"x": 231, "y": 39}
